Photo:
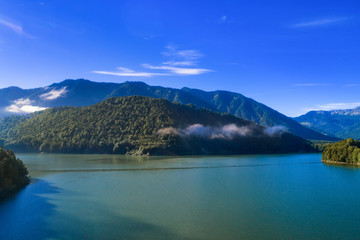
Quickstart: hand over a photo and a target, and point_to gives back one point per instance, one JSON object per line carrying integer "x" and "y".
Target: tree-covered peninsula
{"x": 344, "y": 152}
{"x": 144, "y": 125}
{"x": 13, "y": 173}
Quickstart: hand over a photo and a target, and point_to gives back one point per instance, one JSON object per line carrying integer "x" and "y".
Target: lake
{"x": 223, "y": 197}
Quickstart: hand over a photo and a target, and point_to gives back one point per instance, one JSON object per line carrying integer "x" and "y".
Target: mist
{"x": 275, "y": 130}
{"x": 228, "y": 131}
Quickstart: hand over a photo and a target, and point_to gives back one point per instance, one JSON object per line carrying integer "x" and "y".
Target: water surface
{"x": 223, "y": 197}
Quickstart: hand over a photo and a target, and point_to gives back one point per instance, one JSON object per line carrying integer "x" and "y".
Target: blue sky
{"x": 290, "y": 55}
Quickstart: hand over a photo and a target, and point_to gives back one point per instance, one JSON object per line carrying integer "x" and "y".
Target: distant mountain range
{"x": 143, "y": 125}
{"x": 84, "y": 92}
{"x": 338, "y": 123}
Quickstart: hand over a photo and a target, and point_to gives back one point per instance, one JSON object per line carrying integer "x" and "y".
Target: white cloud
{"x": 228, "y": 131}
{"x": 308, "y": 84}
{"x": 22, "y": 101}
{"x": 176, "y": 57}
{"x": 223, "y": 19}
{"x": 126, "y": 72}
{"x": 333, "y": 106}
{"x": 179, "y": 71}
{"x": 54, "y": 94}
{"x": 319, "y": 22}
{"x": 180, "y": 63}
{"x": 275, "y": 130}
{"x": 173, "y": 52}
{"x": 23, "y": 105}
{"x": 15, "y": 28}
{"x": 181, "y": 57}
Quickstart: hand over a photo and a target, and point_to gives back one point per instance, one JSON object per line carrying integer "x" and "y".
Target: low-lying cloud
{"x": 228, "y": 131}
{"x": 275, "y": 130}
{"x": 23, "y": 106}
{"x": 54, "y": 94}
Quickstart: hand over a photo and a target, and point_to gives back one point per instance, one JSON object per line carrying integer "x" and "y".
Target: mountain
{"x": 143, "y": 125}
{"x": 84, "y": 92}
{"x": 247, "y": 108}
{"x": 338, "y": 123}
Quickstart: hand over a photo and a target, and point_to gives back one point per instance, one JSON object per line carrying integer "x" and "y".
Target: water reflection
{"x": 24, "y": 215}
{"x": 103, "y": 223}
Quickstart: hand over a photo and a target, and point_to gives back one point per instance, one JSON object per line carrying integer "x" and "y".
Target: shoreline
{"x": 340, "y": 163}
{"x": 7, "y": 193}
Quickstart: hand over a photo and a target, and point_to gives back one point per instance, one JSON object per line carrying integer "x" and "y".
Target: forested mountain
{"x": 339, "y": 123}
{"x": 83, "y": 92}
{"x": 247, "y": 108}
{"x": 143, "y": 125}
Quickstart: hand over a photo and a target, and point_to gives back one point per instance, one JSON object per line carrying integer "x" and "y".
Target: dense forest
{"x": 13, "y": 173}
{"x": 345, "y": 151}
{"x": 83, "y": 92}
{"x": 143, "y": 125}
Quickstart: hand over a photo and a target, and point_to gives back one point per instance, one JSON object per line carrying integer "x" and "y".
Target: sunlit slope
{"x": 84, "y": 92}
{"x": 142, "y": 125}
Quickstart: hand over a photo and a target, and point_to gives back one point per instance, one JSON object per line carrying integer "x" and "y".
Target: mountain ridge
{"x": 144, "y": 125}
{"x": 343, "y": 123}
{"x": 83, "y": 92}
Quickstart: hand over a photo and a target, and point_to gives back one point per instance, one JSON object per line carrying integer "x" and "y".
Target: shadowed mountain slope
{"x": 83, "y": 93}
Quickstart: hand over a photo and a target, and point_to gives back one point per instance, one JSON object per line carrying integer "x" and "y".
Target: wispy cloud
{"x": 23, "y": 105}
{"x": 54, "y": 94}
{"x": 223, "y": 19}
{"x": 175, "y": 65}
{"x": 324, "y": 84}
{"x": 228, "y": 131}
{"x": 179, "y": 63}
{"x": 15, "y": 28}
{"x": 352, "y": 85}
{"x": 333, "y": 106}
{"x": 319, "y": 22}
{"x": 178, "y": 70}
{"x": 125, "y": 72}
{"x": 309, "y": 84}
{"x": 180, "y": 57}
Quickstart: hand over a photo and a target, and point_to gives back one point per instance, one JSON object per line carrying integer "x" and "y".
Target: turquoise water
{"x": 236, "y": 197}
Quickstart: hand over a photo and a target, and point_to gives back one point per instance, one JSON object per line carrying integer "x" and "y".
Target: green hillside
{"x": 143, "y": 125}
{"x": 83, "y": 93}
{"x": 345, "y": 151}
{"x": 247, "y": 108}
{"x": 13, "y": 173}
